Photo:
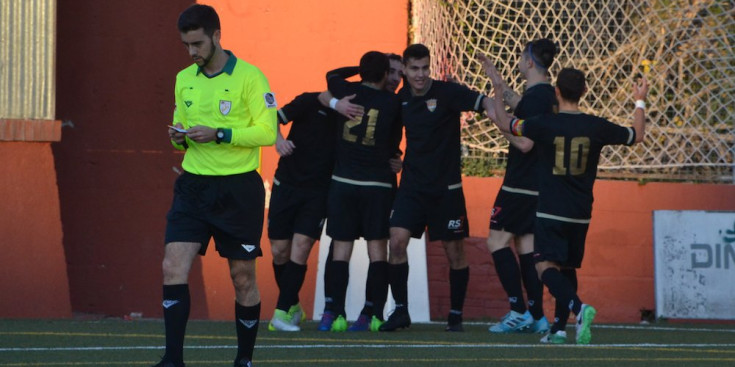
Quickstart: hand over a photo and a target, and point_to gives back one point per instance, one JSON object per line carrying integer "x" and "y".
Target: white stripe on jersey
{"x": 361, "y": 183}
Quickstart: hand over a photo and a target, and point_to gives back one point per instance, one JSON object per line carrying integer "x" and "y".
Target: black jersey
{"x": 569, "y": 150}
{"x": 520, "y": 171}
{"x": 312, "y": 134}
{"x": 432, "y": 122}
{"x": 365, "y": 146}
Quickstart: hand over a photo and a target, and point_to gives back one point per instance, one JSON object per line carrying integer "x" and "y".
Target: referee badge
{"x": 270, "y": 100}
{"x": 431, "y": 104}
{"x": 224, "y": 106}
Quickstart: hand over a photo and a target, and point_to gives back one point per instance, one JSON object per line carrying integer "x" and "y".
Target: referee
{"x": 224, "y": 113}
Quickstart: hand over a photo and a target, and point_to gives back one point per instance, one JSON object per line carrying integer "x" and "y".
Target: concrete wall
{"x": 617, "y": 272}
{"x": 33, "y": 277}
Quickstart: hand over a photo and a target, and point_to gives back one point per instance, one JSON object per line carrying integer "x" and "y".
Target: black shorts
{"x": 513, "y": 212}
{"x": 559, "y": 242}
{"x": 355, "y": 211}
{"x": 228, "y": 208}
{"x": 443, "y": 213}
{"x": 296, "y": 210}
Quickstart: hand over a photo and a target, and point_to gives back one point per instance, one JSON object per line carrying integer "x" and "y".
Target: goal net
{"x": 686, "y": 48}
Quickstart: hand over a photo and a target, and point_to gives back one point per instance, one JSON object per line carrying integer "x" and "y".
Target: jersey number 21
{"x": 369, "y": 138}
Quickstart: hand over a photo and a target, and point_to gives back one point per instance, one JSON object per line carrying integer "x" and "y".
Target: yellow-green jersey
{"x": 236, "y": 100}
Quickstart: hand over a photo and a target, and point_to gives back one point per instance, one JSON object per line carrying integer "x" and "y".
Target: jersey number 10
{"x": 369, "y": 137}
{"x": 579, "y": 148}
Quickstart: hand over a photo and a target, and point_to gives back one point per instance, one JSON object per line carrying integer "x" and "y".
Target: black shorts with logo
{"x": 355, "y": 211}
{"x": 444, "y": 213}
{"x": 228, "y": 208}
{"x": 559, "y": 241}
{"x": 296, "y": 210}
{"x": 513, "y": 212}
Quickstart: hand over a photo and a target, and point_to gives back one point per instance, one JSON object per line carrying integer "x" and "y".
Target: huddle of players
{"x": 547, "y": 189}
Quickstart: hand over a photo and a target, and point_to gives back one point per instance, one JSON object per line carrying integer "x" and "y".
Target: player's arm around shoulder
{"x": 260, "y": 127}
{"x": 640, "y": 91}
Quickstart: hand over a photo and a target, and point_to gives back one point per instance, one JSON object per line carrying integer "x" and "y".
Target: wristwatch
{"x": 220, "y": 135}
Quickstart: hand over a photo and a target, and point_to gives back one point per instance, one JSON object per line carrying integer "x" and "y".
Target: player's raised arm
{"x": 502, "y": 118}
{"x": 640, "y": 91}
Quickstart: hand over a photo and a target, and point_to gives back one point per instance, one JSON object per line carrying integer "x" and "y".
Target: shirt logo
{"x": 188, "y": 103}
{"x": 248, "y": 248}
{"x": 224, "y": 107}
{"x": 270, "y": 100}
{"x": 431, "y": 104}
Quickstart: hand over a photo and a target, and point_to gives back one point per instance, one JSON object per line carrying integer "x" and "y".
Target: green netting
{"x": 685, "y": 48}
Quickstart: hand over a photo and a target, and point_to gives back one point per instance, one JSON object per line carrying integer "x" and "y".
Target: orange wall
{"x": 617, "y": 273}
{"x": 115, "y": 167}
{"x": 33, "y": 278}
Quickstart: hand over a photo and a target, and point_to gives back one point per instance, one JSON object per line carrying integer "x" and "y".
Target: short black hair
{"x": 374, "y": 66}
{"x": 542, "y": 52}
{"x": 571, "y": 84}
{"x": 416, "y": 51}
{"x": 392, "y": 56}
{"x": 199, "y": 16}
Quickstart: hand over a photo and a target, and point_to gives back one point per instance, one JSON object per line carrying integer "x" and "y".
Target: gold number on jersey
{"x": 579, "y": 149}
{"x": 369, "y": 138}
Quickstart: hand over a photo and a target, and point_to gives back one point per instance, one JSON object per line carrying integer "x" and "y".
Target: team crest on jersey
{"x": 270, "y": 100}
{"x": 431, "y": 104}
{"x": 225, "y": 106}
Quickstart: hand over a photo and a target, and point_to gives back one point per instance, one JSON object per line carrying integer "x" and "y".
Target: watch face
{"x": 220, "y": 134}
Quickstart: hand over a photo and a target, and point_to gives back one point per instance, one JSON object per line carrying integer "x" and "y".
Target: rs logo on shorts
{"x": 454, "y": 224}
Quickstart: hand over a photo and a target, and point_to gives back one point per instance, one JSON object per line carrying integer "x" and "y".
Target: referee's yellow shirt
{"x": 238, "y": 100}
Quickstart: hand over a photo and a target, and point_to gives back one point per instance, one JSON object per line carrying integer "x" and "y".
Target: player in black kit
{"x": 514, "y": 210}
{"x": 298, "y": 204}
{"x": 569, "y": 144}
{"x": 361, "y": 192}
{"x": 430, "y": 193}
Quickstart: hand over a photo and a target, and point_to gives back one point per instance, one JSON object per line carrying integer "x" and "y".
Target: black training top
{"x": 520, "y": 171}
{"x": 569, "y": 150}
{"x": 312, "y": 132}
{"x": 432, "y": 121}
{"x": 365, "y": 146}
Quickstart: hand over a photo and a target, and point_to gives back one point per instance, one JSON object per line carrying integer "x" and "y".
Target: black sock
{"x": 340, "y": 279}
{"x": 293, "y": 279}
{"x": 176, "y": 306}
{"x": 247, "y": 319}
{"x": 561, "y": 313}
{"x": 458, "y": 279}
{"x": 328, "y": 271}
{"x": 510, "y": 277}
{"x": 278, "y": 273}
{"x": 379, "y": 287}
{"x": 560, "y": 287}
{"x": 533, "y": 285}
{"x": 398, "y": 277}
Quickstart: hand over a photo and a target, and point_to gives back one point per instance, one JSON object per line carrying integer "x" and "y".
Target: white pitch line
{"x": 375, "y": 346}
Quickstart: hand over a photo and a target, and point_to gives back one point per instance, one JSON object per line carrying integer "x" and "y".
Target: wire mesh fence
{"x": 686, "y": 48}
